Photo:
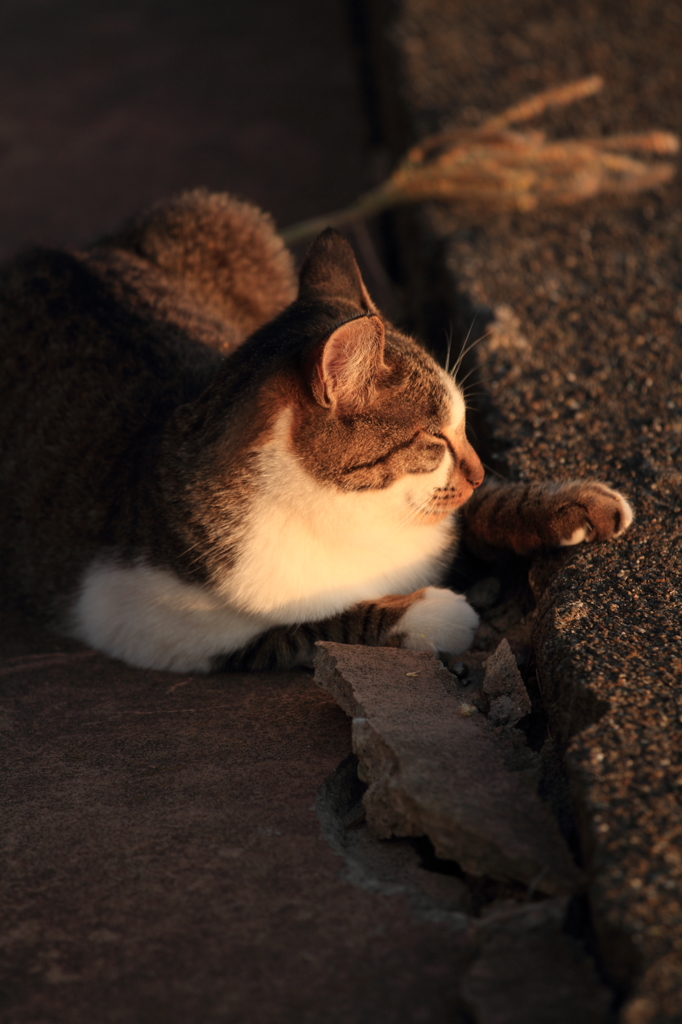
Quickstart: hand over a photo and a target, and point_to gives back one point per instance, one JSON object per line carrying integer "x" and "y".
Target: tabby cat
{"x": 205, "y": 466}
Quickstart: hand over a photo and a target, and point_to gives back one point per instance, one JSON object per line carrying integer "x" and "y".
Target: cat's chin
{"x": 428, "y": 517}
{"x": 439, "y": 508}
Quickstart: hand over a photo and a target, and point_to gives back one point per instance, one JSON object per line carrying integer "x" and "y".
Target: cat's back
{"x": 98, "y": 348}
{"x": 77, "y": 365}
{"x": 84, "y": 379}
{"x": 150, "y": 310}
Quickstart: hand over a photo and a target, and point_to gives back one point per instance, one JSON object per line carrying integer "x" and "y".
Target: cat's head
{"x": 371, "y": 411}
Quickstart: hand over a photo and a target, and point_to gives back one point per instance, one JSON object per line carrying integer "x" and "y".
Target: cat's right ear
{"x": 330, "y": 271}
{"x": 347, "y": 367}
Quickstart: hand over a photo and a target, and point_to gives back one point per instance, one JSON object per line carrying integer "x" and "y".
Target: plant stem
{"x": 367, "y": 205}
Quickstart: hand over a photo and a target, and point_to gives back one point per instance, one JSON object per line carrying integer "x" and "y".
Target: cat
{"x": 206, "y": 465}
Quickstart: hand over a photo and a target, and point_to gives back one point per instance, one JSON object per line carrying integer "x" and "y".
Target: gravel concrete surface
{"x": 581, "y": 375}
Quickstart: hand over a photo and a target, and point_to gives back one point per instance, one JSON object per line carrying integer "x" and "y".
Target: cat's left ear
{"x": 349, "y": 364}
{"x": 330, "y": 271}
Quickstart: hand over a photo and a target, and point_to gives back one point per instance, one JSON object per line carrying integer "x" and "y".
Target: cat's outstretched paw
{"x": 438, "y": 621}
{"x": 591, "y": 511}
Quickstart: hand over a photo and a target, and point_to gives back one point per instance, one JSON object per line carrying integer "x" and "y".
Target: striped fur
{"x": 427, "y": 619}
{"x": 529, "y": 517}
{"x": 369, "y": 622}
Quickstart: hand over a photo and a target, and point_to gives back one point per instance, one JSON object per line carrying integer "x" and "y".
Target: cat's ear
{"x": 348, "y": 365}
{"x": 330, "y": 271}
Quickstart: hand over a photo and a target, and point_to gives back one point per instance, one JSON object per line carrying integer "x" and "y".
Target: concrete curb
{"x": 582, "y": 378}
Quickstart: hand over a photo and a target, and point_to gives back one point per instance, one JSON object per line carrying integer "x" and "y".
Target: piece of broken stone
{"x": 505, "y": 689}
{"x": 484, "y": 593}
{"x": 438, "y": 769}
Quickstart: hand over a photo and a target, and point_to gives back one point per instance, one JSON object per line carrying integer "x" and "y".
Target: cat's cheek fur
{"x": 440, "y": 621}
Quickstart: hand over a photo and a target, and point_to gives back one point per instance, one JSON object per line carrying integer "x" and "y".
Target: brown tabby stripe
{"x": 529, "y": 517}
{"x": 285, "y": 647}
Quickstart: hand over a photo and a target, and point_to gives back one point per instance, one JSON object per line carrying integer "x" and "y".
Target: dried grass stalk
{"x": 496, "y": 168}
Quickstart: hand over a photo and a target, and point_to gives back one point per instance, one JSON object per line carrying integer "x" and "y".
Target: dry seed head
{"x": 492, "y": 167}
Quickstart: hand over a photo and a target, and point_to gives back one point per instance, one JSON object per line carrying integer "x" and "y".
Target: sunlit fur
{"x": 204, "y": 465}
{"x": 310, "y": 550}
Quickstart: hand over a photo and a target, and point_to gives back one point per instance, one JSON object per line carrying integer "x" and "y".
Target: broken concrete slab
{"x": 517, "y": 961}
{"x": 389, "y": 868}
{"x": 435, "y": 766}
{"x": 582, "y": 368}
{"x": 505, "y": 689}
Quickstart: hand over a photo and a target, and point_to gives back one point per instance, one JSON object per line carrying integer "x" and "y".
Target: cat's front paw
{"x": 438, "y": 621}
{"x": 591, "y": 511}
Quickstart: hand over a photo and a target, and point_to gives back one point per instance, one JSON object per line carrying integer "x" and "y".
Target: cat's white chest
{"x": 313, "y": 550}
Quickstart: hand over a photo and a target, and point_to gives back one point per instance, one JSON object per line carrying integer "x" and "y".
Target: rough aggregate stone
{"x": 582, "y": 376}
{"x": 437, "y": 767}
{"x": 504, "y": 687}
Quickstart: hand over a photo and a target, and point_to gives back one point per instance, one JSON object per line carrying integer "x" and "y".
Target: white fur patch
{"x": 441, "y": 621}
{"x": 458, "y": 413}
{"x": 577, "y": 537}
{"x": 627, "y": 515}
{"x": 150, "y": 618}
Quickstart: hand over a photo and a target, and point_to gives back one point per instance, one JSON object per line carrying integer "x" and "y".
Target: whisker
{"x": 462, "y": 382}
{"x": 461, "y": 355}
{"x": 466, "y": 349}
{"x": 405, "y": 519}
{"x": 475, "y": 394}
{"x": 492, "y": 470}
{"x": 448, "y": 335}
{"x": 410, "y": 516}
{"x": 470, "y": 392}
{"x": 465, "y": 352}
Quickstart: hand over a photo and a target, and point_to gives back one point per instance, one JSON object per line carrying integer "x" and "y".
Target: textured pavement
{"x": 581, "y": 375}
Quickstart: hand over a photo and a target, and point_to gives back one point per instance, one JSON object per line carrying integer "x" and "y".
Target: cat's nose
{"x": 464, "y": 458}
{"x": 471, "y": 468}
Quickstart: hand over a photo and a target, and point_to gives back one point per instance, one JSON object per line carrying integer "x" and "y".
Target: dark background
{"x": 107, "y": 106}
